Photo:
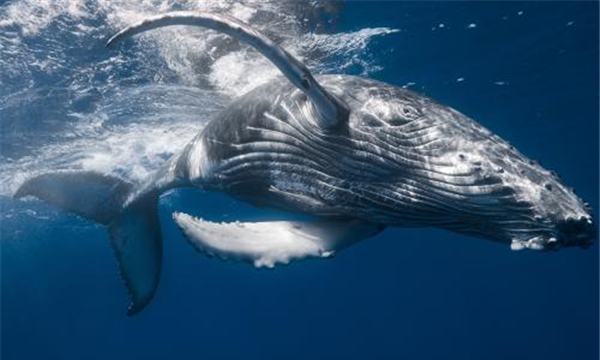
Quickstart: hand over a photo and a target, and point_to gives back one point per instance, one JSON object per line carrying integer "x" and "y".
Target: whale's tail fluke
{"x": 133, "y": 225}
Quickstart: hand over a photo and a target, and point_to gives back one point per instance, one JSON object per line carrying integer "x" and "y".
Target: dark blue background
{"x": 411, "y": 294}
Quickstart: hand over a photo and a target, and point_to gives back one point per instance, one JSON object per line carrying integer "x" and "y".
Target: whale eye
{"x": 409, "y": 112}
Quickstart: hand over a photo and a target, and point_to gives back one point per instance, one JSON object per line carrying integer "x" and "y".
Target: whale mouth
{"x": 577, "y": 232}
{"x": 571, "y": 232}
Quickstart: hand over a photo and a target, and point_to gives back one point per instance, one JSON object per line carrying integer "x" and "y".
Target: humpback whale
{"x": 356, "y": 154}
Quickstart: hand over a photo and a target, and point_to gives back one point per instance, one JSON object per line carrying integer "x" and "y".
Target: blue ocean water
{"x": 526, "y": 70}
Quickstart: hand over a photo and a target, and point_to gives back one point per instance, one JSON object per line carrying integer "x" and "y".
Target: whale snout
{"x": 570, "y": 219}
{"x": 568, "y": 231}
{"x": 575, "y": 231}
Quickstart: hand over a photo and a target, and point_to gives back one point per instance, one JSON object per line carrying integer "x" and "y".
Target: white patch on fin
{"x": 266, "y": 244}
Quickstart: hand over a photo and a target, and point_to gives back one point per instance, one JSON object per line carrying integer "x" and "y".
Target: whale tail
{"x": 133, "y": 225}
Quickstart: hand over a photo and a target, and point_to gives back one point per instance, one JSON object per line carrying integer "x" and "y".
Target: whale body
{"x": 357, "y": 154}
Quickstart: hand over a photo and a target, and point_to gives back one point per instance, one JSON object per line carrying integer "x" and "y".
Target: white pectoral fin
{"x": 273, "y": 242}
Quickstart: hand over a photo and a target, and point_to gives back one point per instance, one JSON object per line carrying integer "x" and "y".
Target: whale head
{"x": 451, "y": 172}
